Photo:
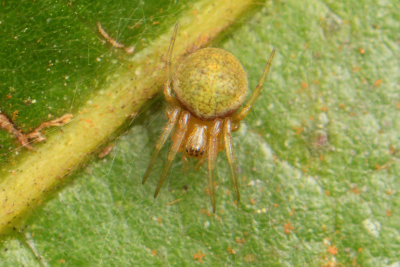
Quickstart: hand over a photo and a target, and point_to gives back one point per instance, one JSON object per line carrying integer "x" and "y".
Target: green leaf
{"x": 127, "y": 84}
{"x": 318, "y": 153}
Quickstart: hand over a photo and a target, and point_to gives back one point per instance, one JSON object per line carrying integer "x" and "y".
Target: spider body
{"x": 210, "y": 83}
{"x": 208, "y": 88}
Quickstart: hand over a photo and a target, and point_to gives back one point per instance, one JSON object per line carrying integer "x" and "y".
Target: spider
{"x": 204, "y": 95}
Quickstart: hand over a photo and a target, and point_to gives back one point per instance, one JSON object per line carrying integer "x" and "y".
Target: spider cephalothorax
{"x": 208, "y": 88}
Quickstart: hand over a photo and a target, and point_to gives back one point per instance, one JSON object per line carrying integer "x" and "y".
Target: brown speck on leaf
{"x": 389, "y": 192}
{"x": 113, "y": 42}
{"x": 105, "y": 151}
{"x": 249, "y": 258}
{"x": 174, "y": 202}
{"x": 392, "y": 150}
{"x": 230, "y": 250}
{"x": 300, "y": 129}
{"x": 36, "y": 134}
{"x": 288, "y": 227}
{"x": 382, "y": 167}
{"x": 206, "y": 212}
{"x": 199, "y": 256}
{"x": 355, "y": 190}
{"x": 6, "y": 124}
{"x": 240, "y": 240}
{"x": 292, "y": 211}
{"x": 320, "y": 139}
{"x": 378, "y": 83}
{"x": 332, "y": 250}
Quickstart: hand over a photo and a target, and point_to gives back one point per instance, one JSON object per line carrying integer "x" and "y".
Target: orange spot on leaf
{"x": 199, "y": 256}
{"x": 332, "y": 250}
{"x": 378, "y": 83}
{"x": 230, "y": 250}
{"x": 288, "y": 227}
{"x": 355, "y": 190}
{"x": 291, "y": 213}
{"x": 300, "y": 129}
{"x": 240, "y": 240}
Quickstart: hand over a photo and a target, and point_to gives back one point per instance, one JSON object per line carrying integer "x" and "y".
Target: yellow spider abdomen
{"x": 210, "y": 83}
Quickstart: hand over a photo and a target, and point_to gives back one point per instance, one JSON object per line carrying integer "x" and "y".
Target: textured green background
{"x": 341, "y": 192}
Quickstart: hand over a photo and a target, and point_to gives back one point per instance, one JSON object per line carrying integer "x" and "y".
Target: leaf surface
{"x": 318, "y": 153}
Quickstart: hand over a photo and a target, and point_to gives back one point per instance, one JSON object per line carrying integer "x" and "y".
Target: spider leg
{"x": 199, "y": 163}
{"x": 245, "y": 110}
{"x": 173, "y": 118}
{"x": 213, "y": 143}
{"x": 177, "y": 141}
{"x": 230, "y": 156}
{"x": 167, "y": 89}
{"x": 185, "y": 163}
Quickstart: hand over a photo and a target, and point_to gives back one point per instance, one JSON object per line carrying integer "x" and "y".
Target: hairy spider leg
{"x": 245, "y": 110}
{"x": 199, "y": 163}
{"x": 230, "y": 156}
{"x": 176, "y": 144}
{"x": 167, "y": 89}
{"x": 173, "y": 118}
{"x": 213, "y": 145}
